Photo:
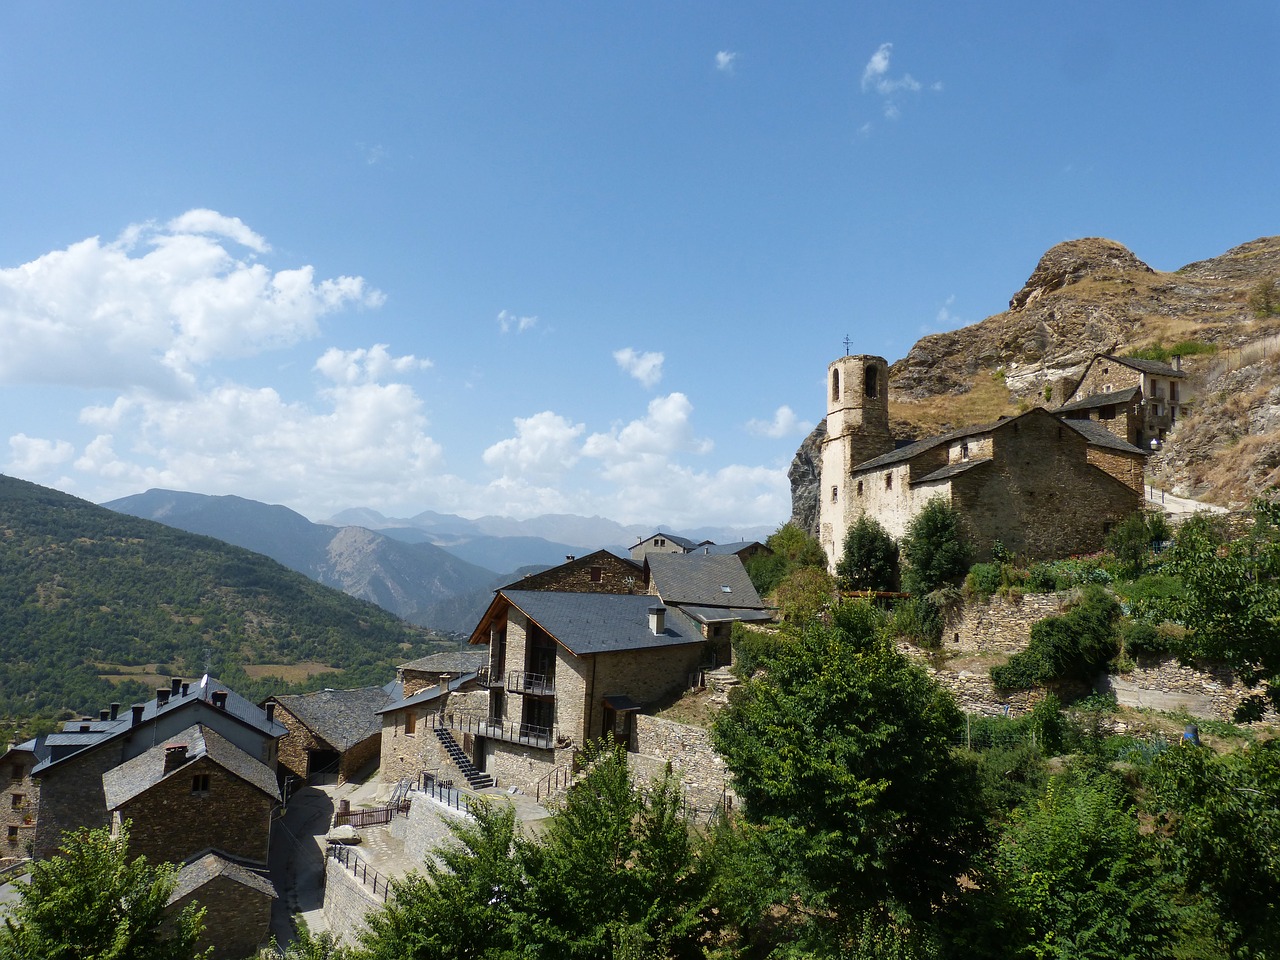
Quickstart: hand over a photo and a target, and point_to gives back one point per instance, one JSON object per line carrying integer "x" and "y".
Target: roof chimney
{"x": 137, "y": 713}
{"x": 115, "y": 711}
{"x": 176, "y": 688}
{"x": 657, "y": 620}
{"x": 84, "y": 728}
{"x": 219, "y": 699}
{"x": 444, "y": 683}
{"x": 271, "y": 711}
{"x": 162, "y": 696}
{"x": 1177, "y": 361}
{"x": 174, "y": 756}
{"x": 185, "y": 687}
{"x": 104, "y": 714}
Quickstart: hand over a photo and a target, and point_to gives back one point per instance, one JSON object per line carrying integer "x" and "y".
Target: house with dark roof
{"x": 663, "y": 542}
{"x": 598, "y": 572}
{"x": 237, "y": 903}
{"x": 331, "y": 733}
{"x": 1138, "y": 400}
{"x": 712, "y": 589}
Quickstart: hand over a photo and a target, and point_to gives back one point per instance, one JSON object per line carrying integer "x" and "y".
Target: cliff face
{"x": 1094, "y": 296}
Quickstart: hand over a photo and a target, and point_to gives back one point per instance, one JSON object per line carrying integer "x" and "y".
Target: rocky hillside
{"x": 1093, "y": 296}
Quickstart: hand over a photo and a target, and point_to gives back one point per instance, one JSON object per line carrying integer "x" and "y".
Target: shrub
{"x": 870, "y": 559}
{"x": 934, "y": 549}
{"x": 983, "y": 580}
{"x": 753, "y": 649}
{"x": 1075, "y": 645}
{"x": 917, "y": 619}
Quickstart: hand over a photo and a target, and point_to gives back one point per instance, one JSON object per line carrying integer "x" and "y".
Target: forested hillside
{"x": 97, "y": 606}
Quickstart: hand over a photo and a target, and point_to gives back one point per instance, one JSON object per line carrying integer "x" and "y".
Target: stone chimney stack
{"x": 162, "y": 696}
{"x": 219, "y": 699}
{"x": 657, "y": 620}
{"x": 115, "y": 711}
{"x": 176, "y": 687}
{"x": 174, "y": 757}
{"x": 137, "y": 709}
{"x": 271, "y": 711}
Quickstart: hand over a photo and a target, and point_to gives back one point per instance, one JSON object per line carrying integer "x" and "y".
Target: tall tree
{"x": 1231, "y": 601}
{"x": 92, "y": 901}
{"x": 934, "y": 550}
{"x": 841, "y": 755}
{"x": 870, "y": 558}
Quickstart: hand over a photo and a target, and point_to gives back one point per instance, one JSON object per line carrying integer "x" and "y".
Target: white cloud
{"x": 545, "y": 444}
{"x": 645, "y": 367}
{"x": 367, "y": 366}
{"x": 149, "y": 308}
{"x": 725, "y": 61}
{"x": 784, "y": 423}
{"x": 508, "y": 321}
{"x": 876, "y": 79}
{"x": 32, "y": 455}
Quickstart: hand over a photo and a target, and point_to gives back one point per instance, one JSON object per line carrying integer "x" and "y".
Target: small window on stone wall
{"x": 13, "y": 834}
{"x": 200, "y": 785}
{"x": 410, "y": 722}
{"x": 596, "y": 574}
{"x": 835, "y": 494}
{"x": 17, "y": 801}
{"x": 888, "y": 481}
{"x": 859, "y": 488}
{"x": 835, "y": 384}
{"x": 871, "y": 381}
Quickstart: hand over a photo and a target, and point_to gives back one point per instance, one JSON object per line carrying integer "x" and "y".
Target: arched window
{"x": 871, "y": 381}
{"x": 835, "y": 384}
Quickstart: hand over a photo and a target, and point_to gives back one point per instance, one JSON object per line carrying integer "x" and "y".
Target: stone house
{"x": 193, "y": 793}
{"x": 599, "y": 572}
{"x": 456, "y": 682}
{"x": 21, "y": 798}
{"x": 712, "y": 589}
{"x": 1138, "y": 400}
{"x": 237, "y": 904}
{"x": 1042, "y": 486}
{"x": 663, "y": 542}
{"x": 331, "y": 732}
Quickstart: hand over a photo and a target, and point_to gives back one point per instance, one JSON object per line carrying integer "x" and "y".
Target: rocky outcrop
{"x": 806, "y": 476}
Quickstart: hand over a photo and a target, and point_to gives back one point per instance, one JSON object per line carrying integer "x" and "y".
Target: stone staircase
{"x": 475, "y": 779}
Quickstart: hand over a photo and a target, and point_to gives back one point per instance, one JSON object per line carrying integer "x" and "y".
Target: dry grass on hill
{"x": 986, "y": 400}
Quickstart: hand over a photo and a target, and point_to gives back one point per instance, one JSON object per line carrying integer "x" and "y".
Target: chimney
{"x": 137, "y": 713}
{"x": 174, "y": 756}
{"x": 219, "y": 699}
{"x": 271, "y": 711}
{"x": 104, "y": 714}
{"x": 185, "y": 687}
{"x": 115, "y": 711}
{"x": 176, "y": 688}
{"x": 1177, "y": 361}
{"x": 444, "y": 683}
{"x": 84, "y": 728}
{"x": 657, "y": 620}
{"x": 162, "y": 696}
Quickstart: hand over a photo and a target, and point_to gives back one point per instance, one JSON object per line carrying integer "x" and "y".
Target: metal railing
{"x": 370, "y": 877}
{"x": 527, "y": 734}
{"x": 366, "y": 818}
{"x": 538, "y": 684}
{"x": 443, "y": 791}
{"x": 557, "y": 781}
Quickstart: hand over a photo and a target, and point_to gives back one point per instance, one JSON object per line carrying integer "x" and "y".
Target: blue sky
{"x": 593, "y": 258}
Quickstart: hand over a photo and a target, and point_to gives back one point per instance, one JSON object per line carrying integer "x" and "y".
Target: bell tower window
{"x": 871, "y": 381}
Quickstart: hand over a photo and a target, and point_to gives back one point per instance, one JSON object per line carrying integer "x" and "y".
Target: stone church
{"x": 1042, "y": 486}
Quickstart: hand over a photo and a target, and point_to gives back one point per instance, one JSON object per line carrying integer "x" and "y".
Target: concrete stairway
{"x": 475, "y": 779}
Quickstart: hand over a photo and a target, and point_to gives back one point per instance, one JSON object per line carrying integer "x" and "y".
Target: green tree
{"x": 791, "y": 549}
{"x": 93, "y": 902}
{"x": 804, "y": 593}
{"x": 1074, "y": 879}
{"x": 870, "y": 558}
{"x": 1230, "y": 601}
{"x": 1223, "y": 821}
{"x": 841, "y": 755}
{"x": 934, "y": 550}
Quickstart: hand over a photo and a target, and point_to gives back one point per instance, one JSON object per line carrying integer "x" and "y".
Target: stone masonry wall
{"x": 237, "y": 917}
{"x": 1206, "y": 691}
{"x": 427, "y": 827}
{"x": 701, "y": 772}
{"x": 998, "y": 624}
{"x": 71, "y": 796}
{"x": 292, "y": 752}
{"x": 347, "y": 903}
{"x": 18, "y": 807}
{"x": 170, "y": 823}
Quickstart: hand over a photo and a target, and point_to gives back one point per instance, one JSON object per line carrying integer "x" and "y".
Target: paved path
{"x": 1170, "y": 504}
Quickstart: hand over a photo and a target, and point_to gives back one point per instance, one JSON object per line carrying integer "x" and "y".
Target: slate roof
{"x": 591, "y": 623}
{"x": 1095, "y": 400}
{"x": 247, "y": 713}
{"x": 678, "y": 541}
{"x": 952, "y": 470}
{"x": 1099, "y": 436}
{"x": 341, "y": 718}
{"x": 431, "y": 693}
{"x": 198, "y": 872}
{"x": 725, "y": 614}
{"x": 134, "y": 777}
{"x": 700, "y": 579}
{"x": 1152, "y": 367}
{"x": 726, "y": 548}
{"x": 451, "y": 661}
{"x": 912, "y": 450}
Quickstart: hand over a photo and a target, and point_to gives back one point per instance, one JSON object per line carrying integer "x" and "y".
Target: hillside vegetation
{"x": 95, "y": 605}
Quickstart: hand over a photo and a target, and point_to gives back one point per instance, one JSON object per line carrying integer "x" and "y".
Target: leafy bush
{"x": 983, "y": 580}
{"x": 753, "y": 649}
{"x": 1142, "y": 640}
{"x": 934, "y": 549}
{"x": 1075, "y": 645}
{"x": 870, "y": 559}
{"x": 1044, "y": 578}
{"x": 917, "y": 619}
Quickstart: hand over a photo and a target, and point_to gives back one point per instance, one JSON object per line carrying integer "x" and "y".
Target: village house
{"x": 662, "y": 542}
{"x": 331, "y": 733}
{"x": 712, "y": 589}
{"x": 1137, "y": 400}
{"x": 1039, "y": 485}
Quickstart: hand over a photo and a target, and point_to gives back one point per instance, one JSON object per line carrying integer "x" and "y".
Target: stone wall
{"x": 18, "y": 806}
{"x": 701, "y": 772}
{"x": 71, "y": 796}
{"x": 347, "y": 903}
{"x": 427, "y": 826}
{"x": 292, "y": 751}
{"x": 600, "y": 572}
{"x": 1207, "y": 691}
{"x": 171, "y": 823}
{"x": 999, "y": 624}
{"x": 237, "y": 917}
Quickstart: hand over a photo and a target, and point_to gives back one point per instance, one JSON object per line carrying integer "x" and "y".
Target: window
{"x": 859, "y": 488}
{"x": 964, "y": 451}
{"x": 410, "y": 722}
{"x": 871, "y": 381}
{"x": 835, "y": 494}
{"x": 888, "y": 480}
{"x": 596, "y": 574}
{"x": 1108, "y": 412}
{"x": 835, "y": 384}
{"x": 13, "y": 834}
{"x": 659, "y": 542}
{"x": 200, "y": 785}
{"x": 16, "y": 801}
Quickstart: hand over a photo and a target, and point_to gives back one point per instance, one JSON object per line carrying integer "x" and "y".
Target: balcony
{"x": 534, "y": 684}
{"x": 525, "y": 734}
{"x": 492, "y": 676}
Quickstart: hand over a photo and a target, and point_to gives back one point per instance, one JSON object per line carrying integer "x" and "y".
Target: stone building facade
{"x": 1037, "y": 484}
{"x": 331, "y": 733}
{"x": 599, "y": 572}
{"x": 20, "y": 803}
{"x": 1141, "y": 400}
{"x": 237, "y": 905}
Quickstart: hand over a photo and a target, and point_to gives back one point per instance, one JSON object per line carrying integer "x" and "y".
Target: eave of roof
{"x": 596, "y": 623}
{"x": 952, "y": 470}
{"x": 1095, "y": 400}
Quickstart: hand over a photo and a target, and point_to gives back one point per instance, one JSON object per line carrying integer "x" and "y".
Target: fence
{"x": 368, "y": 818}
{"x": 370, "y": 877}
{"x": 443, "y": 791}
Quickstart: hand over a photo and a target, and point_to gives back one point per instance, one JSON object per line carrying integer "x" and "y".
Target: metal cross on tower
{"x": 847, "y": 341}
